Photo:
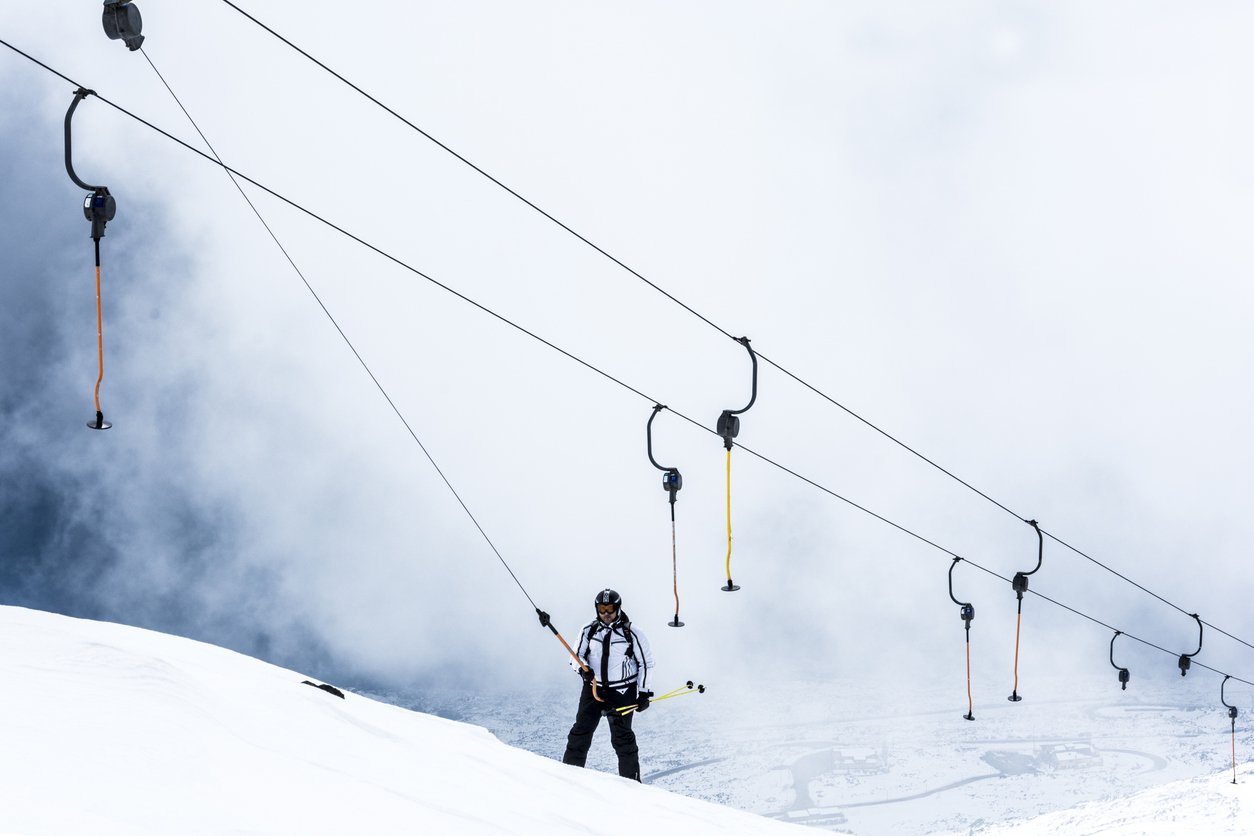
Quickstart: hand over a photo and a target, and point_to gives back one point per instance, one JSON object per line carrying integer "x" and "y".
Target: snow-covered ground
{"x": 110, "y": 729}
{"x": 1209, "y": 806}
{"x": 852, "y": 757}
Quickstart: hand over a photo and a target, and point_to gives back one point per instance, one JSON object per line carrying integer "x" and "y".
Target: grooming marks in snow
{"x": 110, "y": 729}
{"x": 1210, "y": 806}
{"x": 113, "y": 730}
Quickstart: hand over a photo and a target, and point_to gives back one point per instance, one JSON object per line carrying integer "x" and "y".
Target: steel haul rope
{"x": 602, "y": 373}
{"x": 695, "y": 313}
{"x": 124, "y": 23}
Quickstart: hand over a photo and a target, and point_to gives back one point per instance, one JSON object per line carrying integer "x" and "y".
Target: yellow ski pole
{"x": 678, "y": 692}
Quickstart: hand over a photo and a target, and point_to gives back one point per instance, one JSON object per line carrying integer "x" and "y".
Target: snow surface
{"x": 109, "y": 729}
{"x": 1213, "y": 806}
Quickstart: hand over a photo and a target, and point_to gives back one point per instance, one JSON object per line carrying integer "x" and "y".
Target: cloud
{"x": 1004, "y": 241}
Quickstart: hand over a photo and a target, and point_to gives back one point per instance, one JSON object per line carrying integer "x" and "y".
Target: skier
{"x": 618, "y": 656}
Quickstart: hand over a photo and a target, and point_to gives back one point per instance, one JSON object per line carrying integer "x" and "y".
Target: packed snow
{"x": 110, "y": 729}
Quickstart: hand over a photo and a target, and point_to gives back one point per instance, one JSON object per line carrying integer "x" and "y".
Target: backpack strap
{"x": 591, "y": 630}
{"x": 631, "y": 639}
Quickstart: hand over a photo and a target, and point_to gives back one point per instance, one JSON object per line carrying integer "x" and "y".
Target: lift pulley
{"x": 122, "y": 22}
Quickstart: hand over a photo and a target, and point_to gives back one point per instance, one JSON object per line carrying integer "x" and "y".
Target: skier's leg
{"x": 624, "y": 740}
{"x": 580, "y": 738}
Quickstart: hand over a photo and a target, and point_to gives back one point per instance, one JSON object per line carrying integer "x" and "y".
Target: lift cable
{"x": 591, "y": 367}
{"x": 479, "y": 170}
{"x": 232, "y": 174}
{"x": 766, "y": 359}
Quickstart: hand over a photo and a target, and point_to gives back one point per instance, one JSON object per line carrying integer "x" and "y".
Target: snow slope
{"x": 1210, "y": 806}
{"x": 109, "y": 729}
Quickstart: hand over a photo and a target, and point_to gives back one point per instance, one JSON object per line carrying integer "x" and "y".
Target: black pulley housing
{"x": 122, "y": 22}
{"x": 99, "y": 208}
{"x": 672, "y": 481}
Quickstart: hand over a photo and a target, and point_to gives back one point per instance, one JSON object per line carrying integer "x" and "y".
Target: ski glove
{"x": 642, "y": 700}
{"x": 586, "y": 675}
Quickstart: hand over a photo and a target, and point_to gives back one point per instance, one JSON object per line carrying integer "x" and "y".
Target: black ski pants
{"x": 589, "y": 717}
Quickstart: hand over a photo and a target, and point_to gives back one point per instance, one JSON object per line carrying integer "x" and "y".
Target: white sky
{"x": 1013, "y": 235}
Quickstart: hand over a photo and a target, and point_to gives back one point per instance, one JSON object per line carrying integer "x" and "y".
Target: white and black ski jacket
{"x": 618, "y": 655}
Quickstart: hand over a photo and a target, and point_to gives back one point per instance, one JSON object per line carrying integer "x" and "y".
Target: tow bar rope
{"x": 545, "y": 621}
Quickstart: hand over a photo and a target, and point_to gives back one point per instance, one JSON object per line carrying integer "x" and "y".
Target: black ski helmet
{"x": 609, "y": 596}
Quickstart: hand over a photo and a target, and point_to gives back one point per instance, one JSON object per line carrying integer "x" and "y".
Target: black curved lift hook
{"x": 728, "y": 424}
{"x": 967, "y": 613}
{"x": 1232, "y": 709}
{"x": 1186, "y": 658}
{"x": 1020, "y": 585}
{"x": 1124, "y": 676}
{"x": 671, "y": 483}
{"x": 1020, "y": 582}
{"x": 671, "y": 480}
{"x": 99, "y": 207}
